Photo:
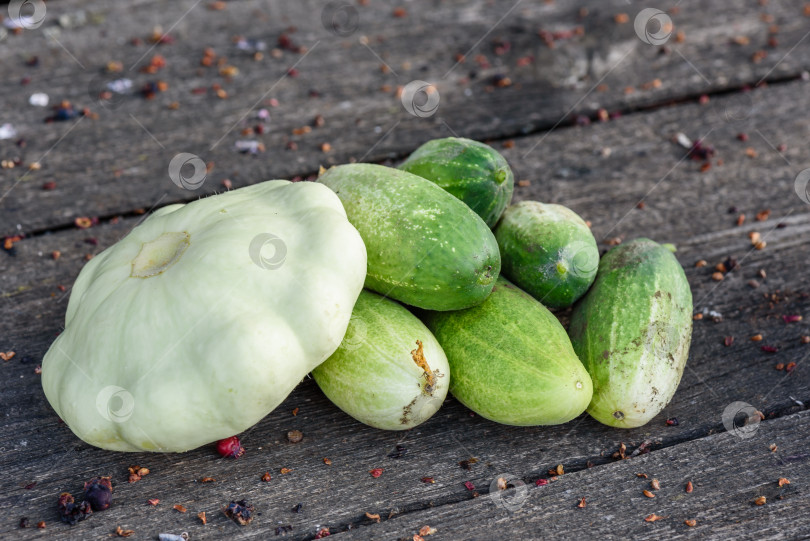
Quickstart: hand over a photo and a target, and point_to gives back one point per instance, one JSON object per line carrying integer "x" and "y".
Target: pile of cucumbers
{"x": 458, "y": 296}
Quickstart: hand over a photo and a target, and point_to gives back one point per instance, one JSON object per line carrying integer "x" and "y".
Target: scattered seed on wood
{"x": 295, "y": 436}
{"x": 648, "y": 493}
{"x": 740, "y": 219}
{"x": 728, "y": 341}
{"x": 762, "y": 274}
{"x": 266, "y": 477}
{"x": 690, "y": 522}
{"x": 773, "y": 447}
{"x": 689, "y": 488}
{"x": 120, "y": 532}
{"x": 201, "y": 516}
{"x": 783, "y": 481}
{"x": 780, "y": 366}
{"x": 376, "y": 472}
{"x": 614, "y": 241}
{"x": 285, "y": 471}
{"x": 760, "y": 501}
{"x": 717, "y": 276}
{"x": 7, "y": 355}
{"x": 672, "y": 421}
{"x": 653, "y": 517}
{"x": 374, "y": 517}
{"x": 790, "y": 367}
{"x": 621, "y": 18}
{"x": 428, "y": 480}
{"x": 427, "y": 530}
{"x": 178, "y": 507}
{"x": 721, "y": 267}
{"x": 763, "y": 215}
{"x": 655, "y": 484}
{"x": 769, "y": 349}
{"x": 153, "y": 502}
{"x": 524, "y": 183}
{"x": 467, "y": 464}
{"x": 805, "y": 339}
{"x": 791, "y": 318}
{"x": 326, "y": 147}
{"x": 207, "y": 480}
{"x": 41, "y": 524}
{"x": 760, "y": 245}
{"x": 756, "y": 338}
{"x": 582, "y": 503}
{"x": 559, "y": 470}
{"x": 697, "y": 317}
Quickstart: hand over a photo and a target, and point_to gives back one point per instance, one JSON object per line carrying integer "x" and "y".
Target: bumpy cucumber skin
{"x": 372, "y": 376}
{"x": 472, "y": 171}
{"x": 511, "y": 360}
{"x": 425, "y": 247}
{"x": 632, "y": 331}
{"x": 548, "y": 251}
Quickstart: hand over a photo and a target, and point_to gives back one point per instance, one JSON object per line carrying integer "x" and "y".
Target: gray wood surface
{"x": 601, "y": 170}
{"x": 119, "y": 162}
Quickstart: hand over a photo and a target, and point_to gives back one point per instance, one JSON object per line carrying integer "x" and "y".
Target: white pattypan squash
{"x": 204, "y": 318}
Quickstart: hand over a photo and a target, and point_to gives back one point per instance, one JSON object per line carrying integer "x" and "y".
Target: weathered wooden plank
{"x": 567, "y": 166}
{"x": 120, "y": 161}
{"x": 728, "y": 474}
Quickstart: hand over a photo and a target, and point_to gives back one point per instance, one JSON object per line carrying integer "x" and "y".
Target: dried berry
{"x": 240, "y": 512}
{"x": 230, "y": 447}
{"x": 672, "y": 421}
{"x": 69, "y": 511}
{"x": 98, "y": 493}
{"x": 690, "y": 522}
{"x": 760, "y": 501}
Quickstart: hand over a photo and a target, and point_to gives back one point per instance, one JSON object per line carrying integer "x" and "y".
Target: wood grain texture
{"x": 119, "y": 162}
{"x": 569, "y": 166}
{"x": 727, "y": 473}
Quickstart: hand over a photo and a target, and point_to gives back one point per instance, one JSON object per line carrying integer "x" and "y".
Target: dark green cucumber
{"x": 511, "y": 360}
{"x": 473, "y": 172}
{"x": 389, "y": 372}
{"x": 632, "y": 331}
{"x": 547, "y": 250}
{"x": 425, "y": 247}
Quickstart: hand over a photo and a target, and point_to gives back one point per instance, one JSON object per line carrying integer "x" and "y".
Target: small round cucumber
{"x": 473, "y": 172}
{"x": 511, "y": 360}
{"x": 632, "y": 331}
{"x": 548, "y": 251}
{"x": 389, "y": 372}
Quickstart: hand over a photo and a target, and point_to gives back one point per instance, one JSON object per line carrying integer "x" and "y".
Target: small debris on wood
{"x": 201, "y": 516}
{"x": 672, "y": 421}
{"x": 178, "y": 507}
{"x": 295, "y": 436}
{"x": 648, "y": 493}
{"x": 98, "y": 493}
{"x": 469, "y": 486}
{"x": 240, "y": 512}
{"x": 760, "y": 500}
{"x": 783, "y": 481}
{"x": 327, "y": 461}
{"x": 467, "y": 464}
{"x": 655, "y": 484}
{"x": 428, "y": 480}
{"x": 375, "y": 517}
{"x": 266, "y": 477}
{"x": 376, "y": 472}
{"x": 728, "y": 341}
{"x": 285, "y": 471}
{"x": 120, "y": 532}
{"x": 207, "y": 480}
{"x": 690, "y": 522}
{"x": 582, "y": 503}
{"x": 153, "y": 502}
{"x": 717, "y": 276}
{"x": 653, "y": 517}
{"x": 689, "y": 487}
{"x": 756, "y": 338}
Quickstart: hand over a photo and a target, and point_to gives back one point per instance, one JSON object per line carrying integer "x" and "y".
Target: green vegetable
{"x": 511, "y": 360}
{"x": 389, "y": 372}
{"x": 203, "y": 319}
{"x": 425, "y": 247}
{"x": 632, "y": 331}
{"x": 547, "y": 250}
{"x": 473, "y": 172}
